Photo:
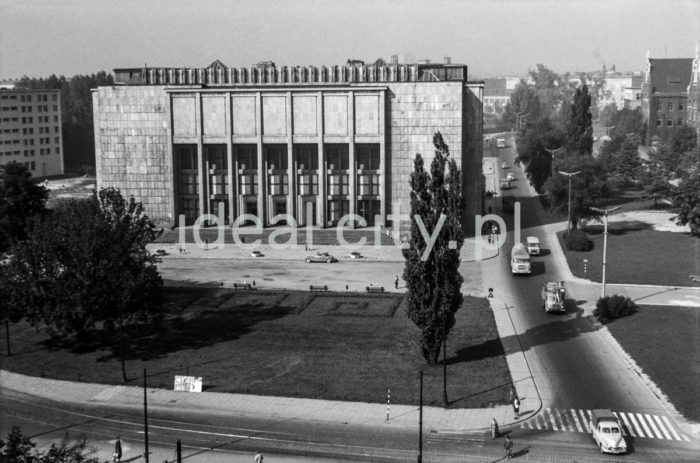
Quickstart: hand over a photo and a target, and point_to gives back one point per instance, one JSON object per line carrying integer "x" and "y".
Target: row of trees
{"x": 76, "y": 113}
{"x": 80, "y": 268}
{"x": 552, "y": 139}
{"x": 18, "y": 448}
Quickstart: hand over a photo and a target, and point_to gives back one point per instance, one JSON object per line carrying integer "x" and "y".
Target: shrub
{"x": 576, "y": 240}
{"x": 611, "y": 307}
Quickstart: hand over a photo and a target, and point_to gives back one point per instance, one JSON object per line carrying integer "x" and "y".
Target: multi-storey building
{"x": 693, "y": 111}
{"x": 665, "y": 95}
{"x": 30, "y": 130}
{"x": 314, "y": 143}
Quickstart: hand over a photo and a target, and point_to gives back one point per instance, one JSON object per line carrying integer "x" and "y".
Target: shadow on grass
{"x": 618, "y": 228}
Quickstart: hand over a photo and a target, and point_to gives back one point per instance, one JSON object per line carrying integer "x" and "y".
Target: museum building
{"x": 314, "y": 143}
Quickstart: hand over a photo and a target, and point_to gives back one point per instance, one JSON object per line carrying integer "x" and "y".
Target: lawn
{"x": 637, "y": 254}
{"x": 338, "y": 346}
{"x": 665, "y": 343}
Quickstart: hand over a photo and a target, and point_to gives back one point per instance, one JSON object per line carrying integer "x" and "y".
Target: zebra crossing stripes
{"x": 633, "y": 424}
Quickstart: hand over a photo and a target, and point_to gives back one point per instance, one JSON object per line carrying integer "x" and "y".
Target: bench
{"x": 242, "y": 286}
{"x": 375, "y": 289}
{"x": 318, "y": 288}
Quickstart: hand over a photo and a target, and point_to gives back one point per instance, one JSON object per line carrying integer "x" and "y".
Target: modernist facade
{"x": 313, "y": 143}
{"x": 665, "y": 95}
{"x": 30, "y": 130}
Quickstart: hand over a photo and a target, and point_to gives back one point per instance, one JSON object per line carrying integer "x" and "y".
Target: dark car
{"x": 321, "y": 257}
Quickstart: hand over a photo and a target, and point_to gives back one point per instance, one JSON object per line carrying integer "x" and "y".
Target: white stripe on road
{"x": 670, "y": 428}
{"x": 638, "y": 429}
{"x": 653, "y": 426}
{"x": 644, "y": 425}
{"x": 627, "y": 424}
{"x": 622, "y": 428}
{"x": 575, "y": 417}
{"x": 562, "y": 421}
{"x": 662, "y": 427}
{"x": 585, "y": 420}
{"x": 551, "y": 419}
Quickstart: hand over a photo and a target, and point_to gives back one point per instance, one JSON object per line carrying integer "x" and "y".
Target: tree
{"x": 85, "y": 266}
{"x": 20, "y": 200}
{"x": 579, "y": 128}
{"x": 432, "y": 276}
{"x": 686, "y": 203}
{"x": 549, "y": 88}
{"x": 20, "y": 449}
{"x": 626, "y": 162}
{"x": 533, "y": 147}
{"x": 682, "y": 139}
{"x": 523, "y": 104}
{"x": 589, "y": 188}
{"x": 608, "y": 115}
{"x": 655, "y": 186}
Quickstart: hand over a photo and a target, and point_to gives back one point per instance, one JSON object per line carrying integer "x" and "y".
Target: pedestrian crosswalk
{"x": 633, "y": 424}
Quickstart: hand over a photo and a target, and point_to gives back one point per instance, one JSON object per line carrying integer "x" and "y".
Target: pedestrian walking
{"x": 516, "y": 407}
{"x": 512, "y": 394}
{"x": 494, "y": 428}
{"x": 396, "y": 282}
{"x": 258, "y": 457}
{"x": 508, "y": 445}
{"x": 117, "y": 455}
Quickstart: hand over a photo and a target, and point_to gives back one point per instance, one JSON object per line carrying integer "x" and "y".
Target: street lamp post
{"x": 551, "y": 153}
{"x": 569, "y": 175}
{"x": 605, "y": 236}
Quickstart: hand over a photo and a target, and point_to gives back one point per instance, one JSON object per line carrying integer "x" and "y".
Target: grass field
{"x": 341, "y": 346}
{"x": 637, "y": 254}
{"x": 664, "y": 342}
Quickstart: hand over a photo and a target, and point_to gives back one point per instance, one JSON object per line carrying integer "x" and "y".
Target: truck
{"x": 607, "y": 432}
{"x": 533, "y": 245}
{"x": 553, "y": 296}
{"x": 519, "y": 259}
{"x": 501, "y": 142}
{"x": 505, "y": 184}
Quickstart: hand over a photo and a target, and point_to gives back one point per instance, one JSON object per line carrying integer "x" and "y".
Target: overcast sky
{"x": 492, "y": 37}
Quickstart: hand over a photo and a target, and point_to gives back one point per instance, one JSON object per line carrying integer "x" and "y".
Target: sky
{"x": 492, "y": 37}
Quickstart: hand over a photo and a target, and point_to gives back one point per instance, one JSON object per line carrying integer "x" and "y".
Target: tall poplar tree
{"x": 579, "y": 127}
{"x": 433, "y": 278}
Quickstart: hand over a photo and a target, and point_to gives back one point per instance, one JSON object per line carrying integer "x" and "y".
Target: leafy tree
{"x": 533, "y": 148}
{"x": 433, "y": 278}
{"x": 523, "y": 104}
{"x": 682, "y": 139}
{"x": 608, "y": 115}
{"x": 686, "y": 203}
{"x": 589, "y": 188}
{"x": 20, "y": 449}
{"x": 626, "y": 162}
{"x": 655, "y": 186}
{"x": 549, "y": 88}
{"x": 86, "y": 265}
{"x": 579, "y": 128}
{"x": 20, "y": 200}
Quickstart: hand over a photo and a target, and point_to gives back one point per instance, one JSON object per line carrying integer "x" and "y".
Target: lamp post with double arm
{"x": 569, "y": 175}
{"x": 605, "y": 237}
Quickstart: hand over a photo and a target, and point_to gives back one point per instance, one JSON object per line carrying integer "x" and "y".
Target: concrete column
{"x": 383, "y": 200}
{"x": 261, "y": 167}
{"x": 321, "y": 198}
{"x": 291, "y": 194}
{"x": 232, "y": 172}
{"x": 201, "y": 168}
{"x": 352, "y": 171}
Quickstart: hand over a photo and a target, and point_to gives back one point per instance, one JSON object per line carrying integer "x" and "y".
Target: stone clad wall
{"x": 414, "y": 113}
{"x": 131, "y": 146}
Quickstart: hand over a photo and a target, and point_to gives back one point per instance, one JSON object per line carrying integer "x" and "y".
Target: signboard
{"x": 188, "y": 383}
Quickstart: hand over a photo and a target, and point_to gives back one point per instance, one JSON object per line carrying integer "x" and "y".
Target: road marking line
{"x": 662, "y": 427}
{"x": 638, "y": 429}
{"x": 551, "y": 419}
{"x": 627, "y": 424}
{"x": 653, "y": 426}
{"x": 644, "y": 425}
{"x": 564, "y": 424}
{"x": 622, "y": 427}
{"x": 541, "y": 422}
{"x": 670, "y": 428}
{"x": 575, "y": 417}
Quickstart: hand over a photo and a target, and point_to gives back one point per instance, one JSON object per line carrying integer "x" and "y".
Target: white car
{"x": 607, "y": 432}
{"x": 504, "y": 165}
{"x": 256, "y": 254}
{"x": 510, "y": 176}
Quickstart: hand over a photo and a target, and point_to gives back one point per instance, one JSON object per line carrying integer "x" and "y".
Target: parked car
{"x": 355, "y": 255}
{"x": 510, "y": 176}
{"x": 533, "y": 245}
{"x": 325, "y": 257}
{"x": 256, "y": 254}
{"x": 504, "y": 165}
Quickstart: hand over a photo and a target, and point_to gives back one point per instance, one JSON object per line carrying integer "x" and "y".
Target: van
{"x": 520, "y": 259}
{"x": 533, "y": 245}
{"x": 501, "y": 142}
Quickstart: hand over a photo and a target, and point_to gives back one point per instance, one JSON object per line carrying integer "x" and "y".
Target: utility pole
{"x": 145, "y": 416}
{"x": 420, "y": 422}
{"x": 569, "y": 175}
{"x": 605, "y": 236}
{"x": 444, "y": 362}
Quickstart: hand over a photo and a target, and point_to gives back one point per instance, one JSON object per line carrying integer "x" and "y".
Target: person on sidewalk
{"x": 516, "y": 407}
{"x": 396, "y": 282}
{"x": 258, "y": 457}
{"x": 117, "y": 455}
{"x": 494, "y": 428}
{"x": 508, "y": 445}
